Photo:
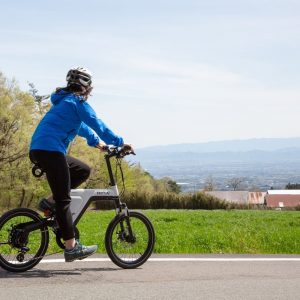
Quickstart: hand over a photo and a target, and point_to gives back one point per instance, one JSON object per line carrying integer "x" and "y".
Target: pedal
{"x": 47, "y": 213}
{"x": 24, "y": 249}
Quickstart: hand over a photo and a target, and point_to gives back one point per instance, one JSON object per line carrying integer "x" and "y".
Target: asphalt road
{"x": 210, "y": 277}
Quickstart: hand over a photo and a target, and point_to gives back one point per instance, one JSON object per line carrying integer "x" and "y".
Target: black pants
{"x": 63, "y": 174}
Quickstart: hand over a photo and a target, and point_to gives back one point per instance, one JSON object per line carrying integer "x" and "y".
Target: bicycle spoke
{"x": 130, "y": 241}
{"x": 21, "y": 250}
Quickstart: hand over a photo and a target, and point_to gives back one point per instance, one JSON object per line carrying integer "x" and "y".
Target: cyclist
{"x": 70, "y": 115}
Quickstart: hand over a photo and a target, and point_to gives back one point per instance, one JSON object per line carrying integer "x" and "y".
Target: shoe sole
{"x": 80, "y": 258}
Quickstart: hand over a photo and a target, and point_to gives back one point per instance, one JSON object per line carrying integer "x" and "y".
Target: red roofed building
{"x": 283, "y": 198}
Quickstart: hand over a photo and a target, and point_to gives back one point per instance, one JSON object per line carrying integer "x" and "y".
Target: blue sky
{"x": 166, "y": 72}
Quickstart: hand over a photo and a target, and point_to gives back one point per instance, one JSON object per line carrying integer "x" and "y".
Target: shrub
{"x": 167, "y": 200}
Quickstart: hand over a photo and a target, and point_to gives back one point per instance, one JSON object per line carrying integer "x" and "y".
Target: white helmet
{"x": 80, "y": 76}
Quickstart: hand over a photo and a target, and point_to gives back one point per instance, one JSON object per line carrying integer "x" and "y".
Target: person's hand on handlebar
{"x": 102, "y": 146}
{"x": 127, "y": 148}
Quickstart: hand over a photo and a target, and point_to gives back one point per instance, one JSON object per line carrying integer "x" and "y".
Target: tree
{"x": 18, "y": 118}
{"x": 292, "y": 186}
{"x": 235, "y": 183}
{"x": 173, "y": 186}
{"x": 16, "y": 121}
{"x": 210, "y": 184}
{"x": 40, "y": 102}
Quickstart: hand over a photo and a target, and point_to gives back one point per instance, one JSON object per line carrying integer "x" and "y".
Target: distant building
{"x": 272, "y": 198}
{"x": 257, "y": 198}
{"x": 241, "y": 197}
{"x": 283, "y": 198}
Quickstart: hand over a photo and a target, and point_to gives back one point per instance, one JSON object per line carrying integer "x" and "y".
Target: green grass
{"x": 202, "y": 231}
{"x": 205, "y": 231}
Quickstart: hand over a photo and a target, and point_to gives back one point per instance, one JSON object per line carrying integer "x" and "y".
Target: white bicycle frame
{"x": 82, "y": 198}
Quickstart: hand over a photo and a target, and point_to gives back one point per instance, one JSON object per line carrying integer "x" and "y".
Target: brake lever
{"x": 123, "y": 153}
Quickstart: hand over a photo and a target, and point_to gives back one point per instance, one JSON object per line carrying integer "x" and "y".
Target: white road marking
{"x": 187, "y": 259}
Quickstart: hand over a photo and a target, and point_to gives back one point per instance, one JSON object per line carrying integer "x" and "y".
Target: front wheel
{"x": 21, "y": 250}
{"x": 129, "y": 240}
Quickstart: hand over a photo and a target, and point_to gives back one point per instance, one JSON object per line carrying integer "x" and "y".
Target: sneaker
{"x": 46, "y": 207}
{"x": 79, "y": 252}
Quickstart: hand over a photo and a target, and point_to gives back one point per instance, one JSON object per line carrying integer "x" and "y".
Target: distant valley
{"x": 261, "y": 163}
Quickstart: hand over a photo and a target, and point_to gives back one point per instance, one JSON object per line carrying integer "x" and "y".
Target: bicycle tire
{"x": 139, "y": 223}
{"x": 12, "y": 240}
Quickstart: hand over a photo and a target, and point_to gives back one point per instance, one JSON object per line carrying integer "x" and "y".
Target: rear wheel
{"x": 20, "y": 250}
{"x": 129, "y": 240}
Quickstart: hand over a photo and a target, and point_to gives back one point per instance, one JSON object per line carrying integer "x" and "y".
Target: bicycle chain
{"x": 46, "y": 255}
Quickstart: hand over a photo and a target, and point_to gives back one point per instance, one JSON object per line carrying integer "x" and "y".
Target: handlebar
{"x": 118, "y": 152}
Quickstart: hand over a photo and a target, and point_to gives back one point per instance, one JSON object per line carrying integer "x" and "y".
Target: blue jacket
{"x": 69, "y": 116}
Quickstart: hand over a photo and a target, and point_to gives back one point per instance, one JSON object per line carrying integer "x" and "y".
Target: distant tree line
{"x": 292, "y": 186}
